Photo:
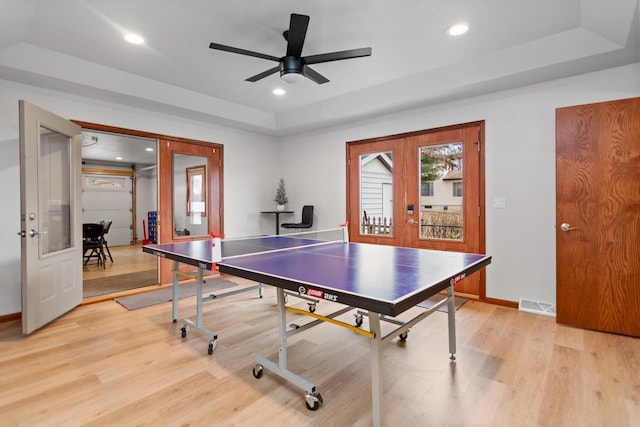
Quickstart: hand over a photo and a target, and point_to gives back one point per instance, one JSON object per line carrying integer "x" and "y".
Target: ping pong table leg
{"x": 376, "y": 369}
{"x": 313, "y": 398}
{"x": 176, "y": 266}
{"x": 213, "y": 337}
{"x": 451, "y": 309}
{"x": 200, "y": 286}
{"x": 282, "y": 328}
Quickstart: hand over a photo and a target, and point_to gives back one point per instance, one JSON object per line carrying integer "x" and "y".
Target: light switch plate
{"x": 500, "y": 202}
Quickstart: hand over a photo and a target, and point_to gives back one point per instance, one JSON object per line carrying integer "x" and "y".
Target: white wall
{"x": 520, "y": 166}
{"x": 146, "y": 199}
{"x": 250, "y": 167}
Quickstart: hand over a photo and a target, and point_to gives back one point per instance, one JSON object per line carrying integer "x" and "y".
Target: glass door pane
{"x": 441, "y": 201}
{"x": 54, "y": 190}
{"x": 190, "y": 195}
{"x": 376, "y": 193}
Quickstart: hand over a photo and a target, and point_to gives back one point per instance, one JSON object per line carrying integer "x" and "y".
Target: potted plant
{"x": 281, "y": 195}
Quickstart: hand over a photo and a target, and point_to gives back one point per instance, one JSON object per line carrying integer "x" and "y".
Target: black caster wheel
{"x": 359, "y": 320}
{"x": 313, "y": 400}
{"x": 184, "y": 331}
{"x": 258, "y": 370}
{"x": 403, "y": 336}
{"x": 312, "y": 308}
{"x": 210, "y": 349}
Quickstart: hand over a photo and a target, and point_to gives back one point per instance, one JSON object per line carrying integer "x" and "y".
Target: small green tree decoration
{"x": 281, "y": 193}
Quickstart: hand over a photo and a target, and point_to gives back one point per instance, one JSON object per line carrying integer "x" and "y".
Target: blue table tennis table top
{"x": 379, "y": 278}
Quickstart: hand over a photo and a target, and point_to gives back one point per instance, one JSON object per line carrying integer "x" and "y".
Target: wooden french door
{"x": 190, "y": 194}
{"x": 423, "y": 190}
{"x": 598, "y": 216}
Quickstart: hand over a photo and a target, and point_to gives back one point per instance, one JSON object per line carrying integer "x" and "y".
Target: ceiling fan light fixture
{"x": 291, "y": 70}
{"x": 291, "y": 77}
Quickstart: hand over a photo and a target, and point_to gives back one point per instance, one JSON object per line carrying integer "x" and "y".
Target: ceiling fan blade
{"x": 314, "y": 75}
{"x": 296, "y": 34}
{"x": 338, "y": 56}
{"x": 263, "y": 74}
{"x": 217, "y": 46}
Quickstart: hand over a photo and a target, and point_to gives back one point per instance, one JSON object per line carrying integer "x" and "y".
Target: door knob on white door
{"x": 566, "y": 227}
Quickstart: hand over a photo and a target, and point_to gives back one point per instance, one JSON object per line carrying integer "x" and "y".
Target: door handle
{"x": 33, "y": 233}
{"x": 566, "y": 227}
{"x": 412, "y": 221}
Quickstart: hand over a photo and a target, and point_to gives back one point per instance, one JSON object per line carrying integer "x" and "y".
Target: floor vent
{"x": 537, "y": 307}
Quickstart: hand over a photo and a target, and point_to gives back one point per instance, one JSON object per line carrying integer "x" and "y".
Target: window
{"x": 426, "y": 188}
{"x": 196, "y": 191}
{"x": 457, "y": 189}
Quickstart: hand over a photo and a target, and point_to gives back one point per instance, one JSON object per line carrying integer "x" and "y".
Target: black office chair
{"x": 107, "y": 225}
{"x": 92, "y": 235}
{"x": 307, "y": 219}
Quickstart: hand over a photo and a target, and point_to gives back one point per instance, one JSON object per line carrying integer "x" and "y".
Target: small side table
{"x": 277, "y": 214}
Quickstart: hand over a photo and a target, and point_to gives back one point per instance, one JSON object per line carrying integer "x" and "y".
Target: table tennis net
{"x": 329, "y": 235}
{"x": 245, "y": 246}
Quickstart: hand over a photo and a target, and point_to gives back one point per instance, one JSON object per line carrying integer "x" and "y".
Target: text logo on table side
{"x": 317, "y": 294}
{"x": 458, "y": 278}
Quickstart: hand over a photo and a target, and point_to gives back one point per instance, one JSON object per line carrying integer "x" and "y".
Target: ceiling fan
{"x": 293, "y": 67}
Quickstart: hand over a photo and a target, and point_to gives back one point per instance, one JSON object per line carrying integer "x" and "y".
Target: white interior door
{"x": 50, "y": 171}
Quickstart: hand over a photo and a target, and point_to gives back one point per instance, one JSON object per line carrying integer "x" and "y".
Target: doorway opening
{"x": 119, "y": 192}
{"x": 164, "y": 174}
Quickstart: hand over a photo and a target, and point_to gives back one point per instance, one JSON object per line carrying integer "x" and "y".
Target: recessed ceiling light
{"x": 279, "y": 91}
{"x": 458, "y": 29}
{"x": 118, "y": 158}
{"x": 134, "y": 38}
{"x": 148, "y": 149}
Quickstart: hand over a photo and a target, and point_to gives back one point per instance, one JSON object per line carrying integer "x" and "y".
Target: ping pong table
{"x": 378, "y": 282}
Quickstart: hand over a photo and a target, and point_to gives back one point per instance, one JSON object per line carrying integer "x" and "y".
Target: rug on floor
{"x": 431, "y": 301}
{"x": 146, "y": 299}
{"x": 121, "y": 282}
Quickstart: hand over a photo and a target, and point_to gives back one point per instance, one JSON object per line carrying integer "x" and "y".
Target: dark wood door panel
{"x": 598, "y": 198}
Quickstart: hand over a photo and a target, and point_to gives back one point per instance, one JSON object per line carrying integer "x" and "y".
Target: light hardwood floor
{"x": 103, "y": 365}
{"x": 126, "y": 259}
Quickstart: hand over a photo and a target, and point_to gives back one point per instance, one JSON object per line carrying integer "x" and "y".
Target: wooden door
{"x": 376, "y": 191}
{"x": 183, "y": 216}
{"x": 445, "y": 189}
{"x": 598, "y": 216}
{"x": 437, "y": 188}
